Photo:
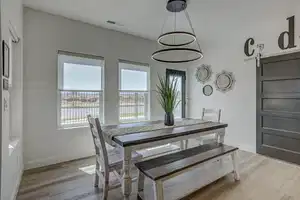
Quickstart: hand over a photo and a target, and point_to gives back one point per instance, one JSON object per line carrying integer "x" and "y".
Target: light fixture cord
{"x": 162, "y": 30}
{"x": 174, "y": 28}
{"x": 190, "y": 23}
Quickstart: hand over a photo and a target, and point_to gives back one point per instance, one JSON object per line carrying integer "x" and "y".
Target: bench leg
{"x": 235, "y": 164}
{"x": 217, "y": 137}
{"x": 220, "y": 137}
{"x": 158, "y": 190}
{"x": 140, "y": 183}
{"x": 186, "y": 144}
{"x": 181, "y": 145}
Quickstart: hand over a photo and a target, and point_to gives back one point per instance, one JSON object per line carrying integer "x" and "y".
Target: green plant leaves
{"x": 167, "y": 93}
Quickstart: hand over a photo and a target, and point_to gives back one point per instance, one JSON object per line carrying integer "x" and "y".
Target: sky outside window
{"x": 82, "y": 77}
{"x": 133, "y": 80}
{"x": 88, "y": 77}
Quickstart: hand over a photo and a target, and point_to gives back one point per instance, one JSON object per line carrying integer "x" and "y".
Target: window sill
{"x": 73, "y": 127}
{"x": 14, "y": 141}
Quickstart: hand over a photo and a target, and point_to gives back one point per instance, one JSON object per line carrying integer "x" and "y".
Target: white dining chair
{"x": 213, "y": 115}
{"x": 107, "y": 160}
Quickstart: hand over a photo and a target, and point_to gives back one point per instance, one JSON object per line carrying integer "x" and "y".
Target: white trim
{"x": 58, "y": 159}
{"x": 17, "y": 186}
{"x": 135, "y": 66}
{"x": 244, "y": 147}
{"x": 81, "y": 59}
{"x": 282, "y": 53}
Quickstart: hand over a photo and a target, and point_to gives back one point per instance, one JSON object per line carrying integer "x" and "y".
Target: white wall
{"x": 12, "y": 161}
{"x": 239, "y": 106}
{"x": 44, "y": 35}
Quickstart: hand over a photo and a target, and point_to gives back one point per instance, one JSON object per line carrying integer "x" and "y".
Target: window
{"x": 134, "y": 95}
{"x": 80, "y": 88}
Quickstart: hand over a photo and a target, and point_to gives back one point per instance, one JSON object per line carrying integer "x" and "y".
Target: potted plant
{"x": 168, "y": 97}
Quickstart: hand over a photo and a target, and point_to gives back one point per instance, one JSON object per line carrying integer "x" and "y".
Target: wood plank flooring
{"x": 262, "y": 178}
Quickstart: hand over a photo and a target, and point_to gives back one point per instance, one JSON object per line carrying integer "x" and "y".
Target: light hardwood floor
{"x": 262, "y": 178}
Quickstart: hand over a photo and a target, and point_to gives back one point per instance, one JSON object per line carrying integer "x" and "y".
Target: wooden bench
{"x": 165, "y": 167}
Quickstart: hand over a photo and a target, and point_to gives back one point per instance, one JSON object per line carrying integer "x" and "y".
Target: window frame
{"x": 136, "y": 66}
{"x": 80, "y": 59}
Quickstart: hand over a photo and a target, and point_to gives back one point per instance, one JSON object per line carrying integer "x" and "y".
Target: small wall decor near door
{"x": 203, "y": 73}
{"x": 208, "y": 90}
{"x": 224, "y": 81}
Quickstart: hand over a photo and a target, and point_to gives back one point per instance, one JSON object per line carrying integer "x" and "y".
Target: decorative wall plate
{"x": 224, "y": 81}
{"x": 208, "y": 90}
{"x": 203, "y": 73}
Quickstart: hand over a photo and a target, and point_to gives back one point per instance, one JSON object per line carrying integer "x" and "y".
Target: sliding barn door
{"x": 278, "y": 107}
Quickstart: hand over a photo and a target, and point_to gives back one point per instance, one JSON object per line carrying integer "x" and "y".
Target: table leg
{"x": 235, "y": 164}
{"x": 158, "y": 190}
{"x": 221, "y": 136}
{"x": 126, "y": 185}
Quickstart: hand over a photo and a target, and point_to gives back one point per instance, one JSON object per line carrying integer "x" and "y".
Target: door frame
{"x": 1, "y": 88}
{"x": 183, "y": 87}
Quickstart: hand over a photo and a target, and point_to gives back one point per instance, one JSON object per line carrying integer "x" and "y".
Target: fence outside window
{"x": 133, "y": 106}
{"x": 75, "y": 105}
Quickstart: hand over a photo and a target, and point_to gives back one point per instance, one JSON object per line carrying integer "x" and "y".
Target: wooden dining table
{"x": 142, "y": 135}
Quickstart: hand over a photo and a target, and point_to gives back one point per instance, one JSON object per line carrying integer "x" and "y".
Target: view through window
{"x": 80, "y": 88}
{"x": 133, "y": 92}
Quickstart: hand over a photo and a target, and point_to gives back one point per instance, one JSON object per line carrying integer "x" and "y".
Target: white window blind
{"x": 134, "y": 95}
{"x": 80, "y": 89}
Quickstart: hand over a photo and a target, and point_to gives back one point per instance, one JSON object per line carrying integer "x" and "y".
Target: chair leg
{"x": 235, "y": 163}
{"x": 158, "y": 190}
{"x": 141, "y": 179}
{"x": 105, "y": 186}
{"x": 96, "y": 184}
{"x": 140, "y": 183}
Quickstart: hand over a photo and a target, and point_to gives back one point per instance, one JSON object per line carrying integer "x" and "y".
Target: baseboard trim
{"x": 54, "y": 160}
{"x": 243, "y": 147}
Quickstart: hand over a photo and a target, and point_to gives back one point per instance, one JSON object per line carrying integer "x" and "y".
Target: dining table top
{"x": 146, "y": 136}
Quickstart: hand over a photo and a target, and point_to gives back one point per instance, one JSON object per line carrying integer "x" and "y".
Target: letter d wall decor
{"x": 291, "y": 35}
{"x": 286, "y": 39}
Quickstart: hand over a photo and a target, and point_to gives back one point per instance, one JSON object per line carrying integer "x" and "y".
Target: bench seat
{"x": 165, "y": 167}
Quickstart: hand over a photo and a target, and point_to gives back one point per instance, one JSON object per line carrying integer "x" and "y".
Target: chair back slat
{"x": 99, "y": 143}
{"x": 211, "y": 115}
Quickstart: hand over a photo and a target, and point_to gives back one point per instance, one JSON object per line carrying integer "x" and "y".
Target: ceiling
{"x": 145, "y": 18}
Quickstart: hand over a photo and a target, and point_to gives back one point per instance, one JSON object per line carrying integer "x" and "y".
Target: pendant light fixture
{"x": 178, "y": 46}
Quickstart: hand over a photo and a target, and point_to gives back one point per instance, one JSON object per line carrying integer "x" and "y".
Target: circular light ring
{"x": 200, "y": 55}
{"x": 174, "y": 33}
